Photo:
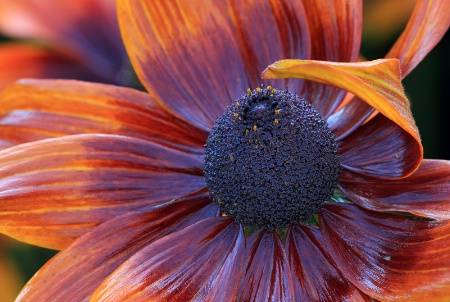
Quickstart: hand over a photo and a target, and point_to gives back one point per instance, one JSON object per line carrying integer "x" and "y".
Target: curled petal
{"x": 315, "y": 275}
{"x": 389, "y": 257}
{"x": 427, "y": 25}
{"x": 37, "y": 109}
{"x": 375, "y": 82}
{"x": 424, "y": 193}
{"x": 53, "y": 191}
{"x": 196, "y": 57}
{"x": 266, "y": 271}
{"x": 388, "y": 153}
{"x": 76, "y": 272}
{"x": 202, "y": 262}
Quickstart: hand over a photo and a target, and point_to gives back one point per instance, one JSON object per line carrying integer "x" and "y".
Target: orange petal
{"x": 74, "y": 274}
{"x": 19, "y": 60}
{"x": 202, "y": 262}
{"x": 88, "y": 29}
{"x": 53, "y": 191}
{"x": 318, "y": 280}
{"x": 266, "y": 270}
{"x": 36, "y": 109}
{"x": 389, "y": 257}
{"x": 196, "y": 57}
{"x": 426, "y": 27}
{"x": 375, "y": 82}
{"x": 426, "y": 192}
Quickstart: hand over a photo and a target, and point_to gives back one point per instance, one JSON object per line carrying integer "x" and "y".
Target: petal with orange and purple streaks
{"x": 389, "y": 257}
{"x": 75, "y": 273}
{"x": 266, "y": 270}
{"x": 53, "y": 191}
{"x": 196, "y": 57}
{"x": 202, "y": 262}
{"x": 314, "y": 274}
{"x": 335, "y": 32}
{"x": 425, "y": 193}
{"x": 426, "y": 27}
{"x": 36, "y": 109}
{"x": 380, "y": 149}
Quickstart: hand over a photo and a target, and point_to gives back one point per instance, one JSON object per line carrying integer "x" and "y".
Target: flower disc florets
{"x": 271, "y": 161}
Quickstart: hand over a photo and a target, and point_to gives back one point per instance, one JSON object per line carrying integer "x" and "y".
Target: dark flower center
{"x": 271, "y": 161}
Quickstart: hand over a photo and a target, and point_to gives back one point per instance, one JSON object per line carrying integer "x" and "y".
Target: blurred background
{"x": 427, "y": 87}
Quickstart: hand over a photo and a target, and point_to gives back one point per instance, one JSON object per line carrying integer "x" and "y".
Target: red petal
{"x": 314, "y": 273}
{"x": 335, "y": 33}
{"x": 19, "y": 60}
{"x": 427, "y": 25}
{"x": 75, "y": 273}
{"x": 424, "y": 193}
{"x": 199, "y": 263}
{"x": 55, "y": 190}
{"x": 196, "y": 57}
{"x": 36, "y": 109}
{"x": 389, "y": 257}
{"x": 88, "y": 29}
{"x": 380, "y": 149}
{"x": 267, "y": 276}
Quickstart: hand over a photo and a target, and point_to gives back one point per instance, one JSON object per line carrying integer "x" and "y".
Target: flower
{"x": 70, "y": 39}
{"x": 116, "y": 177}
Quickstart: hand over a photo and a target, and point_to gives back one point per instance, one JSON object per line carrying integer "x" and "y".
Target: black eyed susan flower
{"x": 204, "y": 189}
